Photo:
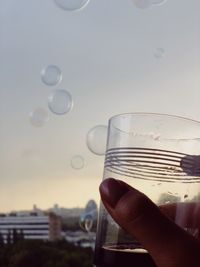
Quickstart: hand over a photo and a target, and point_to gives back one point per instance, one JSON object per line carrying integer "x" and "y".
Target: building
{"x": 31, "y": 225}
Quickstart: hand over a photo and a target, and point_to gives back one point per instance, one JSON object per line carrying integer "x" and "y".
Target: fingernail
{"x": 112, "y": 190}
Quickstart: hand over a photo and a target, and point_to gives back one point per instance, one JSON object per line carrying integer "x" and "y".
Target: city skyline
{"x": 54, "y": 207}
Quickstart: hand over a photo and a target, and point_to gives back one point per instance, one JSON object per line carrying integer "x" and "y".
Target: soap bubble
{"x": 88, "y": 218}
{"x": 86, "y": 222}
{"x": 91, "y": 207}
{"x": 38, "y": 117}
{"x": 77, "y": 162}
{"x": 143, "y": 4}
{"x": 96, "y": 139}
{"x": 158, "y": 2}
{"x": 159, "y": 52}
{"x": 60, "y": 102}
{"x": 51, "y": 75}
{"x": 71, "y": 5}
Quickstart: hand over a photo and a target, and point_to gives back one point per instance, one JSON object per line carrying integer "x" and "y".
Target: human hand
{"x": 167, "y": 243}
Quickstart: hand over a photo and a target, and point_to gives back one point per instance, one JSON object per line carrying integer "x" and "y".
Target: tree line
{"x": 19, "y": 252}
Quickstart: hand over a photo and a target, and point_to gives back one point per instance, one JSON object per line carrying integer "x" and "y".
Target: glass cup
{"x": 159, "y": 155}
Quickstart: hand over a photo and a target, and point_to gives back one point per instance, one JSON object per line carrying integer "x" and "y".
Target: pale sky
{"x": 106, "y": 52}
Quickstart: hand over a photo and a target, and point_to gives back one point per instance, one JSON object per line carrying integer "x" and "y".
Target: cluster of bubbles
{"x": 89, "y": 217}
{"x": 143, "y": 4}
{"x": 59, "y": 101}
{"x": 71, "y": 5}
{"x": 75, "y": 5}
{"x": 96, "y": 143}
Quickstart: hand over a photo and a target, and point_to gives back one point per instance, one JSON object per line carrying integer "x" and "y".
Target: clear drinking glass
{"x": 159, "y": 155}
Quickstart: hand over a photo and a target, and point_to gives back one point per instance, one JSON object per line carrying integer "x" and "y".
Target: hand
{"x": 168, "y": 244}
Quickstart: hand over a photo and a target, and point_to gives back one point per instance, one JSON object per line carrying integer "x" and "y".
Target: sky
{"x": 115, "y": 57}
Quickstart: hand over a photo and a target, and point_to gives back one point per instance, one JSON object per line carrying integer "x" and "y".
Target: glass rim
{"x": 148, "y": 114}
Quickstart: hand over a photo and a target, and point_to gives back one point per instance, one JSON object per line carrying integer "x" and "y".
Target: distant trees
{"x": 8, "y": 238}
{"x": 16, "y": 251}
{"x": 17, "y": 235}
{"x": 21, "y": 235}
{"x": 1, "y": 240}
{"x": 13, "y": 236}
{"x": 39, "y": 253}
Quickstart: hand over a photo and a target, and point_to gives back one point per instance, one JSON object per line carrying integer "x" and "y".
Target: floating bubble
{"x": 82, "y": 221}
{"x": 77, "y": 162}
{"x": 159, "y": 52}
{"x": 51, "y": 75}
{"x": 91, "y": 206}
{"x": 158, "y": 2}
{"x": 71, "y": 5}
{"x": 96, "y": 139}
{"x": 60, "y": 102}
{"x": 88, "y": 218}
{"x": 38, "y": 117}
{"x": 86, "y": 222}
{"x": 143, "y": 4}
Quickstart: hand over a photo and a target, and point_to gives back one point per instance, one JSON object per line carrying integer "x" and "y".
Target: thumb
{"x": 167, "y": 243}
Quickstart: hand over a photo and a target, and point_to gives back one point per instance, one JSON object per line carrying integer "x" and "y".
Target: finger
{"x": 168, "y": 244}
